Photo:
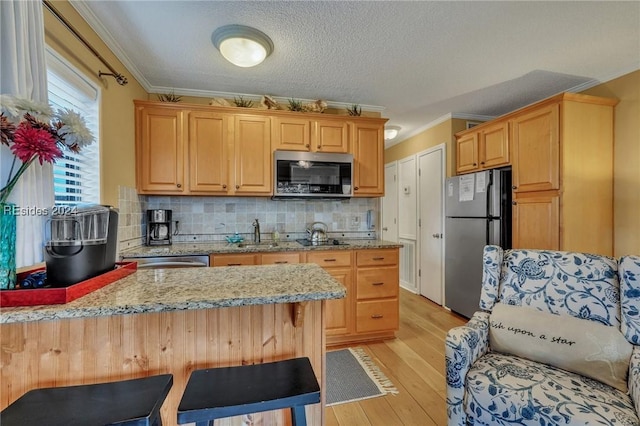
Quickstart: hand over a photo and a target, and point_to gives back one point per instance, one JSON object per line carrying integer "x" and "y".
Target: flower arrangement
{"x": 32, "y": 130}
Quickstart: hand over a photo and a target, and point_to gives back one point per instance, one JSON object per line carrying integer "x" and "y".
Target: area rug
{"x": 353, "y": 376}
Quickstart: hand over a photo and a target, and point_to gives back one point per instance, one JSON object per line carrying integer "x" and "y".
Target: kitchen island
{"x": 171, "y": 321}
{"x": 367, "y": 268}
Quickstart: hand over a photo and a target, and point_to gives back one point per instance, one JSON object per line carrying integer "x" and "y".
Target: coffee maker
{"x": 81, "y": 244}
{"x": 158, "y": 227}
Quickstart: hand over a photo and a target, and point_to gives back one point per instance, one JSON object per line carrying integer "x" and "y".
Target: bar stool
{"x": 232, "y": 391}
{"x": 133, "y": 402}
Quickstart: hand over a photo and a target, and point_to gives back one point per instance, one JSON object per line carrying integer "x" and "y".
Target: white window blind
{"x": 76, "y": 176}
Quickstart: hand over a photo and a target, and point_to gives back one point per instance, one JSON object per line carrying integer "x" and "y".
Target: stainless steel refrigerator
{"x": 477, "y": 213}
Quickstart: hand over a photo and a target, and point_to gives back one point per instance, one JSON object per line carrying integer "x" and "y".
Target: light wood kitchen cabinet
{"x": 208, "y": 152}
{"x": 494, "y": 146}
{"x": 279, "y": 258}
{"x": 244, "y": 259}
{"x": 563, "y": 174}
{"x": 161, "y": 137}
{"x": 536, "y": 220}
{"x": 339, "y": 320}
{"x": 536, "y": 149}
{"x": 191, "y": 149}
{"x": 481, "y": 149}
{"x": 368, "y": 158}
{"x": 561, "y": 155}
{"x": 377, "y": 287}
{"x": 370, "y": 311}
{"x": 338, "y": 263}
{"x": 467, "y": 153}
{"x": 200, "y": 151}
{"x": 303, "y": 134}
{"x": 252, "y": 155}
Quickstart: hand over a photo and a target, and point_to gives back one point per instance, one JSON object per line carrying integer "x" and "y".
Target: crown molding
{"x": 595, "y": 82}
{"x": 81, "y": 7}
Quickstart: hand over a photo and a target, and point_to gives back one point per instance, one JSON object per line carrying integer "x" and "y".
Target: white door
{"x": 407, "y": 198}
{"x": 431, "y": 223}
{"x": 390, "y": 203}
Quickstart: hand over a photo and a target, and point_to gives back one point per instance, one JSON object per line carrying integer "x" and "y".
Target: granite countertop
{"x": 161, "y": 290}
{"x": 181, "y": 249}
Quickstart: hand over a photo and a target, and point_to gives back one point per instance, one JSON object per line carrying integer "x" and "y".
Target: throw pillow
{"x": 582, "y": 346}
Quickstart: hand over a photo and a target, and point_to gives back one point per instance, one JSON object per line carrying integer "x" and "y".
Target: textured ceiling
{"x": 417, "y": 61}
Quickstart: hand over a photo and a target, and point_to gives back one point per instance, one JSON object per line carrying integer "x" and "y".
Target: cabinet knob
{"x": 179, "y": 185}
{"x": 377, "y": 316}
{"x": 224, "y": 186}
{"x": 308, "y": 146}
{"x": 237, "y": 186}
{"x": 355, "y": 188}
{"x": 514, "y": 187}
{"x": 319, "y": 146}
{"x": 514, "y": 203}
{"x": 482, "y": 162}
{"x": 475, "y": 164}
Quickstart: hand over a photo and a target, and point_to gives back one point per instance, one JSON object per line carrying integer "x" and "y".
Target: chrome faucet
{"x": 256, "y": 231}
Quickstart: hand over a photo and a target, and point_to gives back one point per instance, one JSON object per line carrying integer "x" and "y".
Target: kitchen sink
{"x": 250, "y": 245}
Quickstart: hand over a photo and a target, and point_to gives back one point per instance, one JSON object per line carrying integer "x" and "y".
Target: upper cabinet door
{"x": 160, "y": 150}
{"x": 331, "y": 136}
{"x": 494, "y": 145}
{"x": 368, "y": 159}
{"x": 252, "y": 155}
{"x": 536, "y": 150}
{"x": 292, "y": 134}
{"x": 208, "y": 152}
{"x": 467, "y": 153}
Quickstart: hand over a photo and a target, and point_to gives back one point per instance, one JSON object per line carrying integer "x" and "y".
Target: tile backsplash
{"x": 131, "y": 218}
{"x": 213, "y": 218}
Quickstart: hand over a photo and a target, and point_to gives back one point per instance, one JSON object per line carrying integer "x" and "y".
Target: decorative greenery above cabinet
{"x": 189, "y": 149}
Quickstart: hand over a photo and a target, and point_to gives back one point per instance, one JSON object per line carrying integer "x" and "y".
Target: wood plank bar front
{"x": 98, "y": 349}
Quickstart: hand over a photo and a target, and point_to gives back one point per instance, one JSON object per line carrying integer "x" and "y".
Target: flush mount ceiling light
{"x": 242, "y": 46}
{"x": 391, "y": 132}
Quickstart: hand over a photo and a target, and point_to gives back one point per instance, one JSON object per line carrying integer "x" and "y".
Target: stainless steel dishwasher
{"x": 158, "y": 262}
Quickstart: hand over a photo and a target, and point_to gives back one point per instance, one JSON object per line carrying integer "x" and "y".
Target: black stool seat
{"x": 133, "y": 402}
{"x": 232, "y": 391}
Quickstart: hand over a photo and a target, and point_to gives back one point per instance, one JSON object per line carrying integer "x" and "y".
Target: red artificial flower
{"x": 29, "y": 141}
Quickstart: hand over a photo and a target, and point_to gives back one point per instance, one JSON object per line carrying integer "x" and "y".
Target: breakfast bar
{"x": 171, "y": 321}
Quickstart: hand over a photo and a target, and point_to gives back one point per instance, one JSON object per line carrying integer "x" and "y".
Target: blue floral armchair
{"x": 486, "y": 387}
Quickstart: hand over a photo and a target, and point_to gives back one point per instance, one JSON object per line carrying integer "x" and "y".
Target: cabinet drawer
{"x": 377, "y": 283}
{"x": 280, "y": 258}
{"x": 374, "y": 315}
{"x": 329, "y": 259}
{"x": 377, "y": 257}
{"x": 233, "y": 260}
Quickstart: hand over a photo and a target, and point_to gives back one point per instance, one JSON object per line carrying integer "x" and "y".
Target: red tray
{"x": 56, "y": 296}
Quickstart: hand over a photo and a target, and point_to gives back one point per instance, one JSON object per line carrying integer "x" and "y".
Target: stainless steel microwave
{"x": 312, "y": 175}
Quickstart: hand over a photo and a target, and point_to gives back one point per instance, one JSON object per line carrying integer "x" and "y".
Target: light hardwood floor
{"x": 414, "y": 362}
